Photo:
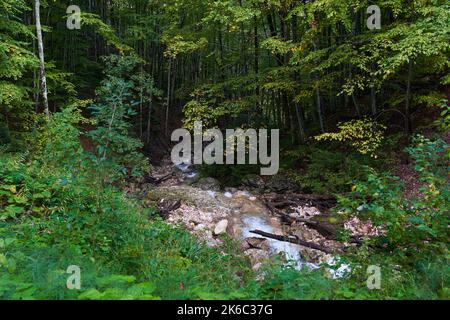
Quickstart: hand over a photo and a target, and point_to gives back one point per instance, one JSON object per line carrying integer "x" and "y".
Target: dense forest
{"x": 92, "y": 207}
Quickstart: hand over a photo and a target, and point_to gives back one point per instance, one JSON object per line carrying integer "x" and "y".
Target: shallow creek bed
{"x": 210, "y": 214}
{"x": 294, "y": 227}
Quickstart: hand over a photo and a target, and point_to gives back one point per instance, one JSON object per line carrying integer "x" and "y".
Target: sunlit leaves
{"x": 365, "y": 136}
{"x": 178, "y": 45}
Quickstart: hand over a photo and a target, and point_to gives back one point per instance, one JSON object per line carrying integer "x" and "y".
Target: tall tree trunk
{"x": 44, "y": 90}
{"x": 319, "y": 109}
{"x": 141, "y": 114}
{"x": 373, "y": 98}
{"x": 319, "y": 99}
{"x": 166, "y": 123}
{"x": 149, "y": 119}
{"x": 408, "y": 99}
{"x": 256, "y": 66}
{"x": 355, "y": 103}
{"x": 301, "y": 123}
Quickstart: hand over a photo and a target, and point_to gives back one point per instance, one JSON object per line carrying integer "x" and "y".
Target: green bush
{"x": 419, "y": 224}
{"x": 115, "y": 106}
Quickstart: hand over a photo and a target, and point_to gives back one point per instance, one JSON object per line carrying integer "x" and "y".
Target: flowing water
{"x": 247, "y": 214}
{"x": 271, "y": 225}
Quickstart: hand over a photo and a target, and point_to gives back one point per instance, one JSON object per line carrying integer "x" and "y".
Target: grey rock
{"x": 253, "y": 181}
{"x": 280, "y": 184}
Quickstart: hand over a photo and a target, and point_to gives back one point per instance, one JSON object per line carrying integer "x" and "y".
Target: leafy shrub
{"x": 414, "y": 228}
{"x": 115, "y": 106}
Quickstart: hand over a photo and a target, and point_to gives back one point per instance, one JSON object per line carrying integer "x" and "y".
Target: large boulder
{"x": 255, "y": 243}
{"x": 254, "y": 182}
{"x": 280, "y": 184}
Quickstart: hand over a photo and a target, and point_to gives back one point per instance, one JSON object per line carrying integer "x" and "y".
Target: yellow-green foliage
{"x": 177, "y": 45}
{"x": 363, "y": 135}
{"x": 197, "y": 111}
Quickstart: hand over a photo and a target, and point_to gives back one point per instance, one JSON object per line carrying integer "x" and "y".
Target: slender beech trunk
{"x": 149, "y": 119}
{"x": 319, "y": 109}
{"x": 44, "y": 89}
{"x": 141, "y": 113}
{"x": 408, "y": 99}
{"x": 354, "y": 31}
{"x": 256, "y": 64}
{"x": 319, "y": 100}
{"x": 373, "y": 98}
{"x": 169, "y": 76}
{"x": 355, "y": 103}
{"x": 301, "y": 123}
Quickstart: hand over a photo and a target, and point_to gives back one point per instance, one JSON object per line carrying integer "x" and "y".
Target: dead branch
{"x": 157, "y": 181}
{"x": 294, "y": 240}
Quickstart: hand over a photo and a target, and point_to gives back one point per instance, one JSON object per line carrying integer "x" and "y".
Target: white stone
{"x": 221, "y": 227}
{"x": 212, "y": 194}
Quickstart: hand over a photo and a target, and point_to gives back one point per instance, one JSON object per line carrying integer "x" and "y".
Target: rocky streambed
{"x": 210, "y": 213}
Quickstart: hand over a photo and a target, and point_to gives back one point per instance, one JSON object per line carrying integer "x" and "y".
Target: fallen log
{"x": 294, "y": 240}
{"x": 325, "y": 229}
{"x": 157, "y": 181}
